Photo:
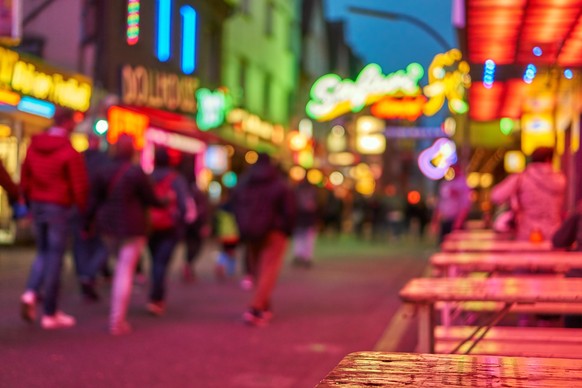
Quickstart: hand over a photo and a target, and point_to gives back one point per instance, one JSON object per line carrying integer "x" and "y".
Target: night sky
{"x": 394, "y": 44}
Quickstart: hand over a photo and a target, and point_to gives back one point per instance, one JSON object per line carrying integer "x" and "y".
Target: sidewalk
{"x": 343, "y": 304}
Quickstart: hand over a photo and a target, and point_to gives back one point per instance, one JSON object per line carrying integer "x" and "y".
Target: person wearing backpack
{"x": 305, "y": 231}
{"x": 264, "y": 209}
{"x": 120, "y": 197}
{"x": 167, "y": 224}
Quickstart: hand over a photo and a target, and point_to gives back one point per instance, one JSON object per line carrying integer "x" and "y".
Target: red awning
{"x": 506, "y": 32}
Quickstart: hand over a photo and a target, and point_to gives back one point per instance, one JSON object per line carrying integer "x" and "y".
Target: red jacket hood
{"x": 47, "y": 144}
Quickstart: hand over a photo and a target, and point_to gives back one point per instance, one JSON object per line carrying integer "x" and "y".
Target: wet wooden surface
{"x": 555, "y": 261}
{"x": 376, "y": 369}
{"x": 481, "y": 234}
{"x": 495, "y": 246}
{"x": 502, "y": 289}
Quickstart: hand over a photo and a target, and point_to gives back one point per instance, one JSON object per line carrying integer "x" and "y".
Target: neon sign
{"x": 331, "y": 96}
{"x": 212, "y": 108}
{"x": 189, "y": 19}
{"x": 396, "y": 95}
{"x": 448, "y": 79}
{"x": 435, "y": 161}
{"x": 26, "y": 78}
{"x": 133, "y": 21}
{"x": 156, "y": 89}
{"x": 250, "y": 124}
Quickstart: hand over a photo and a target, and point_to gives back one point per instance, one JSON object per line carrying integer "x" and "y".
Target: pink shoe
{"x": 58, "y": 321}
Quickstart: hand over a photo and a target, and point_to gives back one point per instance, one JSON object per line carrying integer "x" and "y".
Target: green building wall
{"x": 271, "y": 60}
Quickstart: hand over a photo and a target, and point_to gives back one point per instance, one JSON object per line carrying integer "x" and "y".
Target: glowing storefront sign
{"x": 331, "y": 96}
{"x": 396, "y": 95}
{"x": 436, "y": 160}
{"x": 157, "y": 89}
{"x": 36, "y": 107}
{"x": 250, "y": 124}
{"x": 124, "y": 121}
{"x": 409, "y": 108}
{"x": 212, "y": 108}
{"x": 448, "y": 79}
{"x": 174, "y": 141}
{"x": 38, "y": 81}
{"x": 414, "y": 132}
{"x": 132, "y": 22}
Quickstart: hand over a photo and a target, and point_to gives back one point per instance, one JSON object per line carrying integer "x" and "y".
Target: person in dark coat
{"x": 119, "y": 202}
{"x": 54, "y": 181}
{"x": 264, "y": 208}
{"x": 89, "y": 251}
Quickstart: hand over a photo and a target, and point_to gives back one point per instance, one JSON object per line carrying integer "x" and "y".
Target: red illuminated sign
{"x": 126, "y": 121}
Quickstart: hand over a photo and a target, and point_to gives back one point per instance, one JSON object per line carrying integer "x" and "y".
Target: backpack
{"x": 254, "y": 211}
{"x": 164, "y": 218}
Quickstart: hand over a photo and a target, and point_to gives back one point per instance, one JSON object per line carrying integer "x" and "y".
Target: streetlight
{"x": 400, "y": 16}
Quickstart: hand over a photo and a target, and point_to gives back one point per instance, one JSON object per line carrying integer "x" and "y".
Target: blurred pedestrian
{"x": 53, "y": 180}
{"x": 305, "y": 232}
{"x": 167, "y": 225}
{"x": 453, "y": 204}
{"x": 228, "y": 237}
{"x": 197, "y": 231}
{"x": 265, "y": 213}
{"x": 89, "y": 251}
{"x": 538, "y": 197}
{"x": 120, "y": 198}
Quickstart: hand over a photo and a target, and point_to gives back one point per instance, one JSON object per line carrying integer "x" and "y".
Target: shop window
{"x": 267, "y": 95}
{"x": 242, "y": 81}
{"x": 245, "y": 7}
{"x": 269, "y": 19}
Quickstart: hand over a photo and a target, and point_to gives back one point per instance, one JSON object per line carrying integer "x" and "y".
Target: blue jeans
{"x": 90, "y": 253}
{"x": 161, "y": 245}
{"x": 51, "y": 228}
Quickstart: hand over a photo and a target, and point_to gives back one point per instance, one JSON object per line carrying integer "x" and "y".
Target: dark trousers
{"x": 161, "y": 245}
{"x": 51, "y": 230}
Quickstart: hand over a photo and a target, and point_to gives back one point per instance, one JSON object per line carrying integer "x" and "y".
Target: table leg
{"x": 448, "y": 306}
{"x": 426, "y": 328}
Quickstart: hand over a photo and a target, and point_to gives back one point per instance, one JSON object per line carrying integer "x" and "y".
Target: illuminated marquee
{"x": 331, "y": 96}
{"x": 124, "y": 121}
{"x": 157, "y": 89}
{"x": 33, "y": 80}
{"x": 396, "y": 95}
{"x": 248, "y": 123}
{"x": 435, "y": 161}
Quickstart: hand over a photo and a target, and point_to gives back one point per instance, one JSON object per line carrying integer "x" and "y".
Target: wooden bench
{"x": 426, "y": 292}
{"x": 513, "y": 341}
{"x": 377, "y": 369}
{"x": 530, "y": 308}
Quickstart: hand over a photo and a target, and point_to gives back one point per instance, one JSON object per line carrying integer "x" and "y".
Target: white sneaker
{"x": 58, "y": 321}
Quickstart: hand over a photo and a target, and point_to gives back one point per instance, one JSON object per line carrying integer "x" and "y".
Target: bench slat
{"x": 531, "y": 308}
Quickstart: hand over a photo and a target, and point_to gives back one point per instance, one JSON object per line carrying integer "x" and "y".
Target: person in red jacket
{"x": 53, "y": 181}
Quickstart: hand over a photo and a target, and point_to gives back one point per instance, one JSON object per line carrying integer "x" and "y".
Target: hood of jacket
{"x": 262, "y": 173}
{"x": 543, "y": 176}
{"x": 45, "y": 143}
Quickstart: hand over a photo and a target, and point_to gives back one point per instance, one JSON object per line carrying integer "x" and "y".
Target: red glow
{"x": 413, "y": 197}
{"x": 484, "y": 104}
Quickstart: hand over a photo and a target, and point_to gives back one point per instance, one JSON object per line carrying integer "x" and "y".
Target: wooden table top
{"x": 481, "y": 234}
{"x": 494, "y": 246}
{"x": 508, "y": 289}
{"x": 366, "y": 369}
{"x": 557, "y": 261}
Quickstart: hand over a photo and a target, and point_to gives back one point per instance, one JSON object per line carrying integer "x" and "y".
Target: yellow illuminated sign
{"x": 123, "y": 121}
{"x": 32, "y": 79}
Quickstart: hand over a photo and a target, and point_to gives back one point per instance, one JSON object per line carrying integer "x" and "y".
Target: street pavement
{"x": 348, "y": 301}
